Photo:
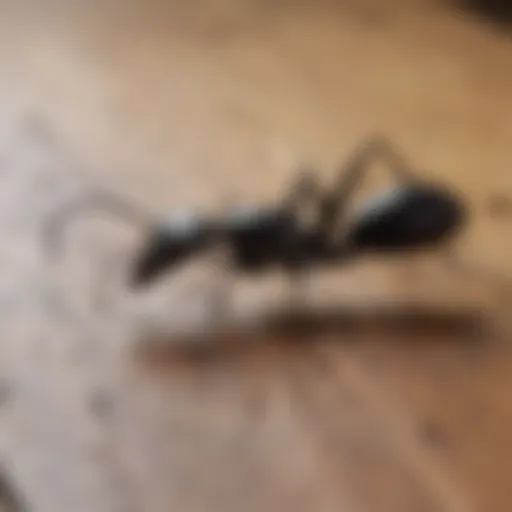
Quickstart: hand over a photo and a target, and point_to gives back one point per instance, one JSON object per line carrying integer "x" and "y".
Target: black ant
{"x": 414, "y": 215}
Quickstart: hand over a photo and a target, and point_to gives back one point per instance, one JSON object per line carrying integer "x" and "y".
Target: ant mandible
{"x": 413, "y": 215}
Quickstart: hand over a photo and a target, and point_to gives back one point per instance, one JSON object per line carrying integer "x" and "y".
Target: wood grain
{"x": 397, "y": 399}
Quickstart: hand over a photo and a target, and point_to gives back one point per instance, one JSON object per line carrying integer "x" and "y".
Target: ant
{"x": 414, "y": 215}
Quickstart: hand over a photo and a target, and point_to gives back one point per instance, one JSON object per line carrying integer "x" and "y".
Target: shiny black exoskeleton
{"x": 414, "y": 215}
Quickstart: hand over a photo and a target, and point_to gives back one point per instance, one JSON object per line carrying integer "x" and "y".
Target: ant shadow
{"x": 290, "y": 332}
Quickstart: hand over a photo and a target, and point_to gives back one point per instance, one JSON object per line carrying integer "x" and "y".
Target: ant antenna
{"x": 94, "y": 200}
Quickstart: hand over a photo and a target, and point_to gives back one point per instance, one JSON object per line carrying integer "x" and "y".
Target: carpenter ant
{"x": 414, "y": 215}
{"x": 411, "y": 216}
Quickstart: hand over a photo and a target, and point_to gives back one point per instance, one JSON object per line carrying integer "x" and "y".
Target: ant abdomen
{"x": 407, "y": 218}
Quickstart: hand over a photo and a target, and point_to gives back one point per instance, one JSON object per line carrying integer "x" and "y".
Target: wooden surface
{"x": 197, "y": 104}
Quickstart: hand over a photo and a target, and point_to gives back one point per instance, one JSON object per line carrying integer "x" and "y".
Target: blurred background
{"x": 405, "y": 407}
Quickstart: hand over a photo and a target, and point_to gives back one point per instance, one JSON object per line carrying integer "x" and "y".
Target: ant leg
{"x": 304, "y": 189}
{"x": 333, "y": 204}
{"x": 351, "y": 175}
{"x": 215, "y": 296}
{"x": 381, "y": 146}
{"x": 219, "y": 303}
{"x": 298, "y": 285}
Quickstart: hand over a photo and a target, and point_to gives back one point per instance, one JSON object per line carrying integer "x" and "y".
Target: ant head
{"x": 168, "y": 244}
{"x": 408, "y": 217}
